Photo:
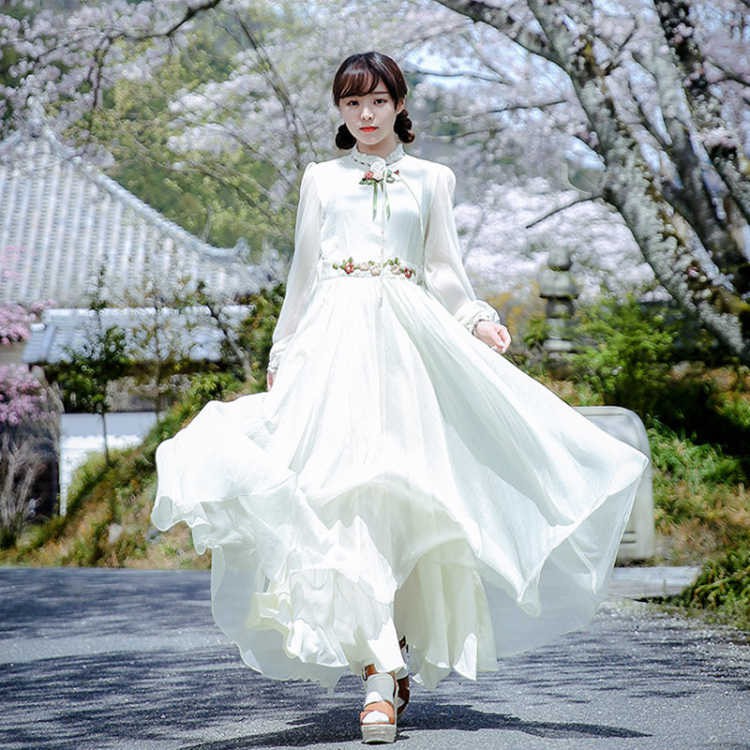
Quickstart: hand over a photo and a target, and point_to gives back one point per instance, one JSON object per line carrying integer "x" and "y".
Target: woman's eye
{"x": 381, "y": 101}
{"x": 352, "y": 104}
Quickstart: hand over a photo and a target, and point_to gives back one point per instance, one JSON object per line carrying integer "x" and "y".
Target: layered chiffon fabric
{"x": 400, "y": 478}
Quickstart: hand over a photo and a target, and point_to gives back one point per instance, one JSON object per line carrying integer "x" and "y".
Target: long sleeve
{"x": 445, "y": 276}
{"x": 301, "y": 277}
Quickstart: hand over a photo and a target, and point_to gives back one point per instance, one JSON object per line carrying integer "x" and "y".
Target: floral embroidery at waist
{"x": 387, "y": 267}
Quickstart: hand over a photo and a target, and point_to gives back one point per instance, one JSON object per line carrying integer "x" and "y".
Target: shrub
{"x": 723, "y": 587}
{"x": 255, "y": 331}
{"x": 626, "y": 353}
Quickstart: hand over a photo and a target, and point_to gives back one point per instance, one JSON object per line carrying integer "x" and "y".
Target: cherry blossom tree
{"x": 634, "y": 113}
{"x": 655, "y": 93}
{"x": 29, "y": 425}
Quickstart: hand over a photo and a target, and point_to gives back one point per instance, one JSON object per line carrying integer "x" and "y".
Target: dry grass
{"x": 108, "y": 524}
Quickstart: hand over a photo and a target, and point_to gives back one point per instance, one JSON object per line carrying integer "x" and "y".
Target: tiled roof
{"x": 61, "y": 220}
{"x": 192, "y": 331}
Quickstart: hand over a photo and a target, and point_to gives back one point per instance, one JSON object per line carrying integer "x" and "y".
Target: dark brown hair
{"x": 360, "y": 74}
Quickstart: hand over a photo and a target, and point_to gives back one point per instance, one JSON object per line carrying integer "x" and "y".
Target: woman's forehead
{"x": 360, "y": 83}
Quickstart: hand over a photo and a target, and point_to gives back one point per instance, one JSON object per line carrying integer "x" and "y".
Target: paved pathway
{"x": 98, "y": 659}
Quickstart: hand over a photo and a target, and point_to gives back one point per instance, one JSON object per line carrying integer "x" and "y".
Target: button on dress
{"x": 401, "y": 477}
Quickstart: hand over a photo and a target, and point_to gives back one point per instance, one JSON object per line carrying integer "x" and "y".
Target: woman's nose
{"x": 366, "y": 113}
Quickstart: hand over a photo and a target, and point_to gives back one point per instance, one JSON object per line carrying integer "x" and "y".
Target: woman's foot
{"x": 378, "y": 719}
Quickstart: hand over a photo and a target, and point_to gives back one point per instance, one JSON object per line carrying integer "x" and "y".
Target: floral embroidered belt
{"x": 387, "y": 267}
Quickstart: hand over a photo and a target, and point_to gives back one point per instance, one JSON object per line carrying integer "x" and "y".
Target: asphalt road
{"x": 97, "y": 659}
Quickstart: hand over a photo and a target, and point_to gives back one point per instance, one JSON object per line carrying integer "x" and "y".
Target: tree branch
{"x": 509, "y": 108}
{"x": 504, "y": 22}
{"x": 560, "y": 209}
{"x": 190, "y": 13}
{"x": 279, "y": 88}
{"x": 470, "y": 75}
{"x": 631, "y": 189}
{"x": 730, "y": 75}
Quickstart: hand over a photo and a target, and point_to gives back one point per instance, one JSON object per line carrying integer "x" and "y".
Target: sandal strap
{"x": 380, "y": 687}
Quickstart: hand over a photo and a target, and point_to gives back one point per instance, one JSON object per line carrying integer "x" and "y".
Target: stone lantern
{"x": 557, "y": 286}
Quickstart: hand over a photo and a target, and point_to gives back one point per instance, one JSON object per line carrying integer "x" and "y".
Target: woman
{"x": 400, "y": 481}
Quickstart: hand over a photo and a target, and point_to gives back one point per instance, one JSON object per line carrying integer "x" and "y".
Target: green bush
{"x": 209, "y": 386}
{"x": 255, "y": 331}
{"x": 689, "y": 478}
{"x": 625, "y": 353}
{"x": 723, "y": 587}
{"x": 694, "y": 463}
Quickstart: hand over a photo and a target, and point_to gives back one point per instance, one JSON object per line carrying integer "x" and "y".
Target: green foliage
{"x": 89, "y": 369}
{"x": 695, "y": 464}
{"x": 101, "y": 359}
{"x": 536, "y": 331}
{"x": 209, "y": 386}
{"x": 687, "y": 474}
{"x": 723, "y": 588}
{"x": 626, "y": 354}
{"x": 734, "y": 409}
{"x": 255, "y": 331}
{"x": 221, "y": 197}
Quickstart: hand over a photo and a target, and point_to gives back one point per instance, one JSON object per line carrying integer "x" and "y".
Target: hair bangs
{"x": 357, "y": 80}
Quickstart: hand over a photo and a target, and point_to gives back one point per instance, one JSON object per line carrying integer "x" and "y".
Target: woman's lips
{"x": 368, "y": 129}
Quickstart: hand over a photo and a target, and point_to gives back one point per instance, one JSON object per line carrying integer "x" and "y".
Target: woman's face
{"x": 370, "y": 119}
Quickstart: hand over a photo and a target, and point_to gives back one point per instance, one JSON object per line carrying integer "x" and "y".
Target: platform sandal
{"x": 378, "y": 719}
{"x": 402, "y": 680}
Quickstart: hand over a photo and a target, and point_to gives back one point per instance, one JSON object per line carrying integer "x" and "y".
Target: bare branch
{"x": 190, "y": 14}
{"x": 468, "y": 74}
{"x": 501, "y": 110}
{"x": 275, "y": 80}
{"x": 565, "y": 207}
{"x": 504, "y": 22}
{"x": 487, "y": 61}
{"x": 730, "y": 75}
{"x": 615, "y": 59}
{"x": 217, "y": 315}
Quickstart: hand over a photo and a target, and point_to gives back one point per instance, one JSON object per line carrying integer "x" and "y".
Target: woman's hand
{"x": 269, "y": 379}
{"x": 494, "y": 335}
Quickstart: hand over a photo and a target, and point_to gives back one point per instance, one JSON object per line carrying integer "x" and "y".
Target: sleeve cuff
{"x": 471, "y": 312}
{"x": 276, "y": 354}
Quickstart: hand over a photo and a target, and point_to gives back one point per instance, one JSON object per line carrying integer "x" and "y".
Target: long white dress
{"x": 401, "y": 477}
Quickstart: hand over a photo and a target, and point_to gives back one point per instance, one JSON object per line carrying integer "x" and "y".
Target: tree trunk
{"x": 722, "y": 146}
{"x": 103, "y": 415}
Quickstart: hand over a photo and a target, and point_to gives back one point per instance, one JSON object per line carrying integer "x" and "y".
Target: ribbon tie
{"x": 379, "y": 176}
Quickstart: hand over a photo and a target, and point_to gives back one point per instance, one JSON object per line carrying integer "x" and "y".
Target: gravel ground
{"x": 92, "y": 659}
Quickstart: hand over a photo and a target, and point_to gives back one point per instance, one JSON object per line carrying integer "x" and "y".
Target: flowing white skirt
{"x": 399, "y": 478}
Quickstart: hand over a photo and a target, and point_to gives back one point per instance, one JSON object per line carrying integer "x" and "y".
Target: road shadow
{"x": 156, "y": 687}
{"x": 327, "y": 727}
{"x": 97, "y": 602}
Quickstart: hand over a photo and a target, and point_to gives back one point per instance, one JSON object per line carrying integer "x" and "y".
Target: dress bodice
{"x": 360, "y": 215}
{"x": 371, "y": 220}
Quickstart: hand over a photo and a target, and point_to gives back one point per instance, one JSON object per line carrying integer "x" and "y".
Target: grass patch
{"x": 701, "y": 502}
